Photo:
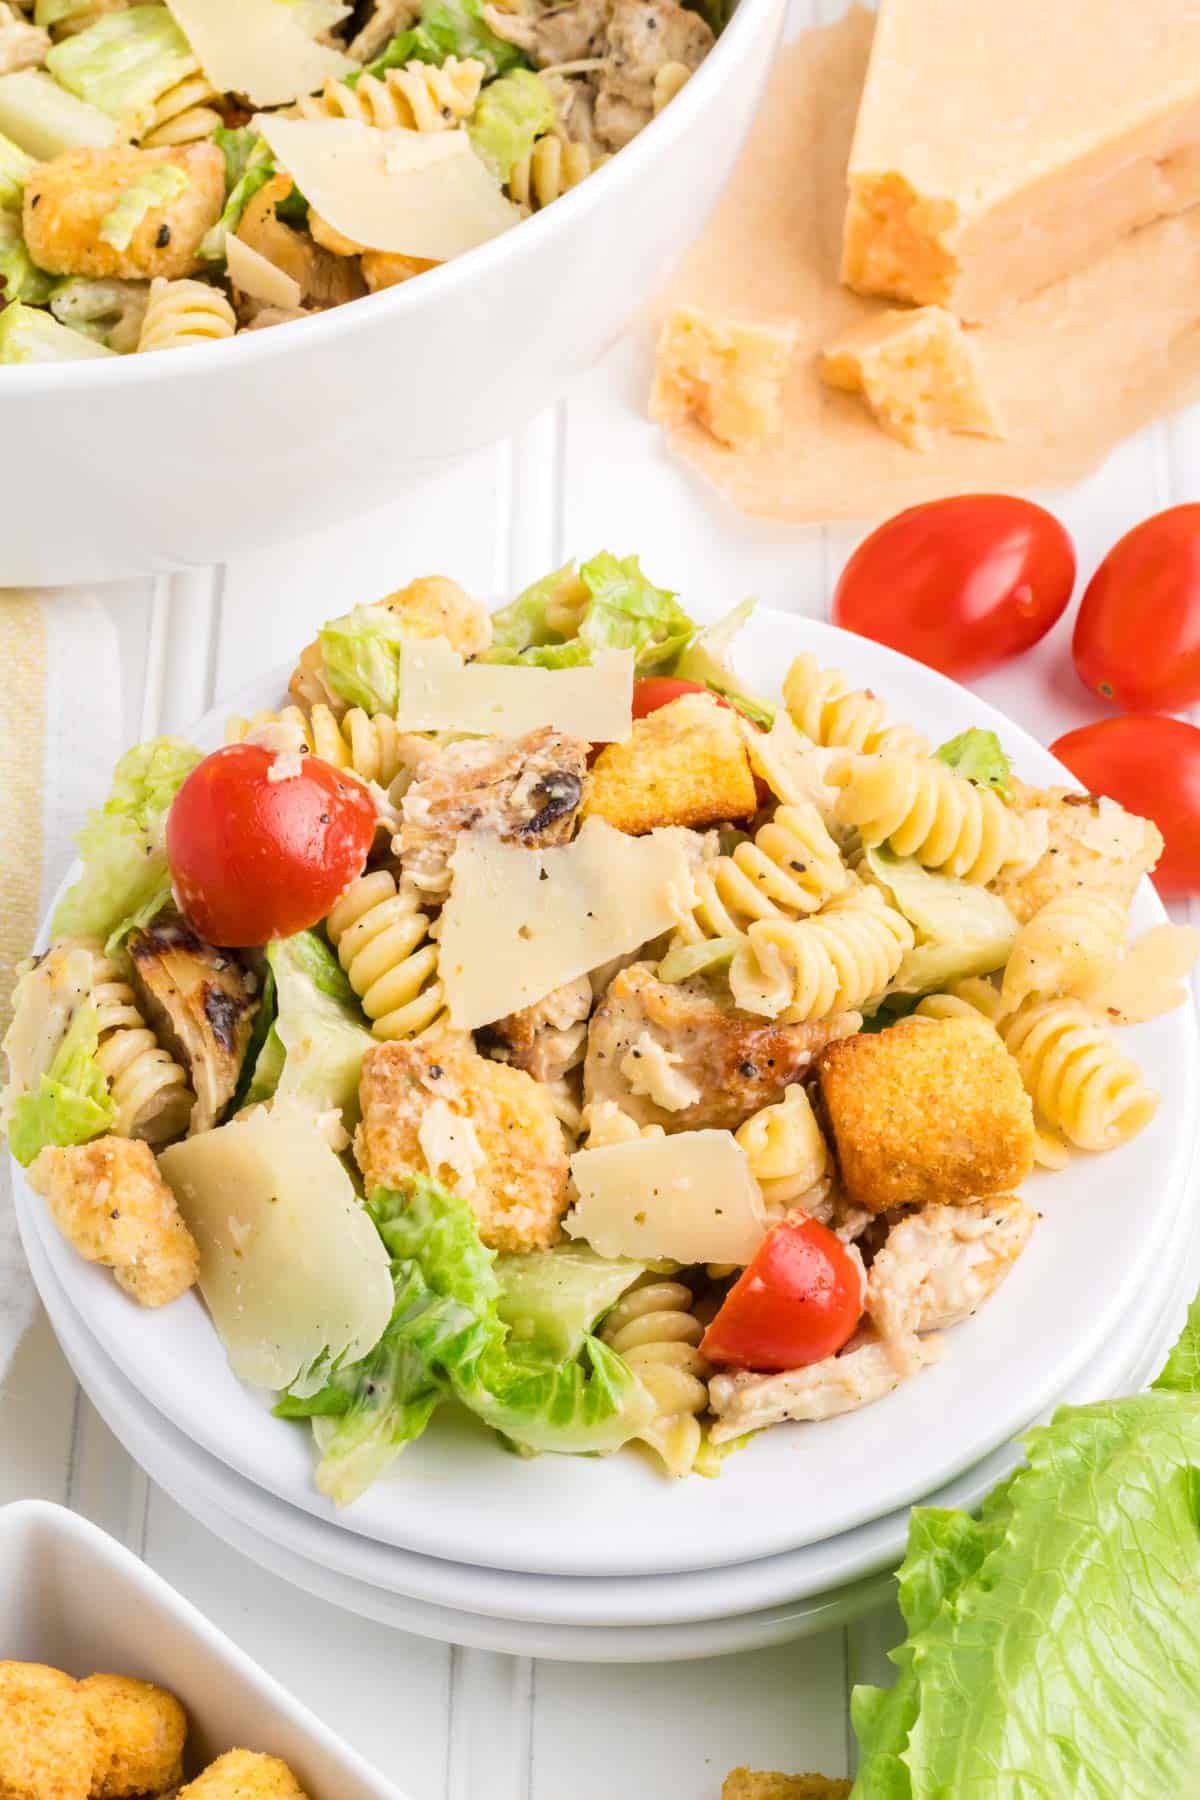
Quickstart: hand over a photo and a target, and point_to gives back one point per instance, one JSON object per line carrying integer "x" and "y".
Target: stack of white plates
{"x": 606, "y": 1560}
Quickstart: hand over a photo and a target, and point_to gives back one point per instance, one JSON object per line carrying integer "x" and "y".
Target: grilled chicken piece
{"x": 557, "y": 34}
{"x": 939, "y": 1265}
{"x": 1091, "y": 844}
{"x": 681, "y": 1055}
{"x": 201, "y": 1003}
{"x": 643, "y": 36}
{"x": 525, "y": 790}
{"x": 840, "y": 1384}
{"x": 546, "y": 1039}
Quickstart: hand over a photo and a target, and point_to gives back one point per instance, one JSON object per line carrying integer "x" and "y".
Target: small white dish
{"x": 1092, "y": 1257}
{"x": 72, "y": 1597}
{"x": 199, "y": 1480}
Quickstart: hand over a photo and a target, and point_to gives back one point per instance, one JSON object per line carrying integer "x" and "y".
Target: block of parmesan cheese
{"x": 1002, "y": 143}
{"x": 690, "y": 1197}
{"x": 727, "y": 376}
{"x": 918, "y": 373}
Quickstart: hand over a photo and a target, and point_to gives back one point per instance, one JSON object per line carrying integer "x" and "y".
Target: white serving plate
{"x": 385, "y": 391}
{"x": 72, "y": 1597}
{"x": 1091, "y": 1258}
{"x": 199, "y": 1480}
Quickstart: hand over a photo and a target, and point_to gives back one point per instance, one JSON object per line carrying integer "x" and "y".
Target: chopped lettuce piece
{"x": 124, "y": 860}
{"x": 361, "y": 653}
{"x": 157, "y": 187}
{"x": 414, "y": 45}
{"x": 30, "y": 336}
{"x": 23, "y": 280}
{"x": 108, "y": 310}
{"x": 248, "y": 167}
{"x": 15, "y": 166}
{"x": 962, "y": 929}
{"x": 705, "y": 659}
{"x": 978, "y": 755}
{"x": 71, "y": 1102}
{"x": 262, "y": 1064}
{"x": 628, "y": 612}
{"x": 319, "y": 1036}
{"x": 509, "y": 116}
{"x": 457, "y": 28}
{"x": 682, "y": 961}
{"x": 44, "y": 119}
{"x": 546, "y": 613}
{"x": 553, "y": 1298}
{"x": 124, "y": 62}
{"x": 1180, "y": 1374}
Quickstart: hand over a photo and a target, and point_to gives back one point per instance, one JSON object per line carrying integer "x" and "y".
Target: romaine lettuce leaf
{"x": 508, "y": 117}
{"x": 361, "y": 652}
{"x": 28, "y": 335}
{"x": 961, "y": 928}
{"x": 553, "y": 1298}
{"x": 547, "y": 613}
{"x": 457, "y": 28}
{"x": 413, "y": 45}
{"x": 157, "y": 187}
{"x": 124, "y": 62}
{"x": 319, "y": 1036}
{"x": 249, "y": 166}
{"x": 628, "y": 612}
{"x": 706, "y": 659}
{"x": 22, "y": 280}
{"x": 15, "y": 166}
{"x": 979, "y": 756}
{"x": 125, "y": 878}
{"x": 682, "y": 961}
{"x": 71, "y": 1102}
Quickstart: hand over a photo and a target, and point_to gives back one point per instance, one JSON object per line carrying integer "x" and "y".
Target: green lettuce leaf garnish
{"x": 961, "y": 928}
{"x": 628, "y": 612}
{"x": 22, "y": 280}
{"x": 706, "y": 659}
{"x": 125, "y": 879}
{"x": 1053, "y": 1644}
{"x": 314, "y": 1047}
{"x": 554, "y": 1298}
{"x": 978, "y": 755}
{"x": 545, "y": 614}
{"x": 124, "y": 62}
{"x": 414, "y": 45}
{"x": 458, "y": 28}
{"x": 361, "y": 653}
{"x": 448, "y": 1338}
{"x": 71, "y": 1102}
{"x": 508, "y": 117}
{"x": 249, "y": 166}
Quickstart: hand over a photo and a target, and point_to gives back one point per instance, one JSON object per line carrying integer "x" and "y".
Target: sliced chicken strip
{"x": 840, "y": 1384}
{"x": 201, "y": 1002}
{"x": 939, "y": 1265}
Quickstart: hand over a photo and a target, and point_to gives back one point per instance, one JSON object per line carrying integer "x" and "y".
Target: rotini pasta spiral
{"x": 185, "y": 312}
{"x": 921, "y": 808}
{"x": 1068, "y": 947}
{"x": 1077, "y": 1077}
{"x": 822, "y": 704}
{"x": 371, "y": 746}
{"x": 655, "y": 1329}
{"x": 554, "y": 165}
{"x": 787, "y": 1154}
{"x": 419, "y": 97}
{"x": 790, "y": 868}
{"x": 381, "y": 935}
{"x": 182, "y": 115}
{"x": 963, "y": 999}
{"x": 148, "y": 1088}
{"x": 603, "y": 1123}
{"x": 808, "y": 968}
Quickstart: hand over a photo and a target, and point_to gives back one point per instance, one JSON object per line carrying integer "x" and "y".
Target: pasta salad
{"x": 526, "y": 1017}
{"x": 175, "y": 173}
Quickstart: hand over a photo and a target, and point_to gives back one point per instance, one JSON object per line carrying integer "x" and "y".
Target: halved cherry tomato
{"x": 1137, "y": 637}
{"x": 652, "y": 691}
{"x": 254, "y": 858}
{"x": 1152, "y": 766}
{"x": 797, "y": 1302}
{"x": 959, "y": 584}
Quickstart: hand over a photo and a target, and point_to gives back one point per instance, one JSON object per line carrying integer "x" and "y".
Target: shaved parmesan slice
{"x": 520, "y": 922}
{"x": 257, "y": 48}
{"x": 441, "y": 692}
{"x": 415, "y": 193}
{"x": 250, "y": 271}
{"x": 690, "y": 1197}
{"x": 291, "y": 1267}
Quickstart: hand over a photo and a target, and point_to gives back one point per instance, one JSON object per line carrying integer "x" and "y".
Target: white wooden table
{"x": 453, "y": 1724}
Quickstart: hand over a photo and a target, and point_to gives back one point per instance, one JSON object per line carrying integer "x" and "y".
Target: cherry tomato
{"x": 652, "y": 691}
{"x": 1152, "y": 766}
{"x": 959, "y": 584}
{"x": 797, "y": 1302}
{"x": 253, "y": 858}
{"x": 1137, "y": 637}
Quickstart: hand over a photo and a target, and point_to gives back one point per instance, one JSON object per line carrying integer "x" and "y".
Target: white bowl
{"x": 147, "y": 463}
{"x": 226, "y": 1503}
{"x": 72, "y": 1597}
{"x": 1081, "y": 1279}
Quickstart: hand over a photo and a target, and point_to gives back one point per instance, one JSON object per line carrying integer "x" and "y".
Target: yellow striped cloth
{"x": 60, "y": 730}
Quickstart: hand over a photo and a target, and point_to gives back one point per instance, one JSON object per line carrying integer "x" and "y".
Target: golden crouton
{"x": 109, "y": 1200}
{"x": 758, "y": 1784}
{"x": 47, "y": 1747}
{"x": 494, "y": 1136}
{"x": 929, "y": 1110}
{"x": 1091, "y": 843}
{"x": 140, "y": 1733}
{"x": 68, "y": 199}
{"x": 685, "y": 764}
{"x": 243, "y": 1775}
{"x": 435, "y": 606}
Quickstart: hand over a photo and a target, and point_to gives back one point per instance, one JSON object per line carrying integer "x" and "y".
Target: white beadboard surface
{"x": 453, "y": 1724}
